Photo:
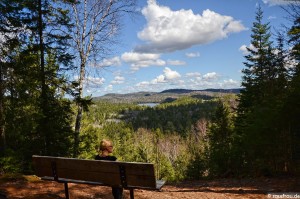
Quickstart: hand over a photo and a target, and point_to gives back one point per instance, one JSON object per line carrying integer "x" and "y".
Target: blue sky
{"x": 189, "y": 44}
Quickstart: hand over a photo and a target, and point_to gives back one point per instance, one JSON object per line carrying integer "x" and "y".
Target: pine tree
{"x": 9, "y": 37}
{"x": 220, "y": 141}
{"x": 44, "y": 21}
{"x": 258, "y": 61}
{"x": 48, "y": 23}
{"x": 37, "y": 117}
{"x": 255, "y": 134}
{"x": 291, "y": 108}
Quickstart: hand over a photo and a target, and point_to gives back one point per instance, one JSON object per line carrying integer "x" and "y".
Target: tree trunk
{"x": 79, "y": 111}
{"x": 43, "y": 122}
{"x": 2, "y": 132}
{"x": 77, "y": 131}
{"x": 93, "y": 34}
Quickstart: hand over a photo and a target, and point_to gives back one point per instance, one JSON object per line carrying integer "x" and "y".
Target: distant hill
{"x": 166, "y": 95}
{"x": 233, "y": 90}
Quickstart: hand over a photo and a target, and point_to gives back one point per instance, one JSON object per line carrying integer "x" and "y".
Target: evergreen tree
{"x": 48, "y": 23}
{"x": 291, "y": 108}
{"x": 255, "y": 137}
{"x": 37, "y": 118}
{"x": 220, "y": 141}
{"x": 9, "y": 37}
{"x": 258, "y": 63}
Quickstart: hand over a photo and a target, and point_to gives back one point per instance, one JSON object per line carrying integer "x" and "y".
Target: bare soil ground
{"x": 30, "y": 187}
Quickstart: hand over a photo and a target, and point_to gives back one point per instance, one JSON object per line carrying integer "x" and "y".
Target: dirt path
{"x": 212, "y": 189}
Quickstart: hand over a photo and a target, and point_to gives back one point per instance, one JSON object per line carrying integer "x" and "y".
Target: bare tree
{"x": 200, "y": 129}
{"x": 97, "y": 23}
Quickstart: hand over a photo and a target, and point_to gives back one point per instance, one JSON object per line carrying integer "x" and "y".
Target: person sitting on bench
{"x": 106, "y": 148}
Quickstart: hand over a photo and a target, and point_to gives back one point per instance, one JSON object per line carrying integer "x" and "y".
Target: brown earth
{"x": 30, "y": 187}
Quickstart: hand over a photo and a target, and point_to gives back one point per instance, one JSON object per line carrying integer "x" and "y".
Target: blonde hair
{"x": 104, "y": 144}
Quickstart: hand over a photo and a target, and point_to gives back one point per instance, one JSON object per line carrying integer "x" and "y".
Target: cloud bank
{"x": 168, "y": 31}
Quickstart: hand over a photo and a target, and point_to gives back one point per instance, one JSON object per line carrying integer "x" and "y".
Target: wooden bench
{"x": 127, "y": 175}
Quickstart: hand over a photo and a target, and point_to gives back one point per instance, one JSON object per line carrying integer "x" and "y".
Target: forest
{"x": 43, "y": 110}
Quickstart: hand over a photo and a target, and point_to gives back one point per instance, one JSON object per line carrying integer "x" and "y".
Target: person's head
{"x": 106, "y": 145}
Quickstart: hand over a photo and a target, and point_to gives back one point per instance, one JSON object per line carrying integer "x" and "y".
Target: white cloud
{"x": 195, "y": 74}
{"x": 244, "y": 49}
{"x": 168, "y": 77}
{"x": 277, "y": 2}
{"x": 108, "y": 88}
{"x": 118, "y": 80}
{"x": 91, "y": 82}
{"x": 172, "y": 79}
{"x": 168, "y": 30}
{"x": 171, "y": 74}
{"x": 180, "y": 82}
{"x": 159, "y": 79}
{"x": 142, "y": 84}
{"x": 192, "y": 55}
{"x": 115, "y": 61}
{"x": 230, "y": 83}
{"x": 210, "y": 76}
{"x": 142, "y": 60}
{"x": 272, "y": 17}
{"x": 94, "y": 82}
{"x": 175, "y": 62}
{"x": 136, "y": 57}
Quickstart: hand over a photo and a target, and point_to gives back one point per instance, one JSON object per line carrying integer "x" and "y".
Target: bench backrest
{"x": 125, "y": 174}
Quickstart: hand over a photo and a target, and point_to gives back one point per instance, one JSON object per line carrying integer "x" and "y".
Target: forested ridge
{"x": 253, "y": 133}
{"x": 165, "y": 96}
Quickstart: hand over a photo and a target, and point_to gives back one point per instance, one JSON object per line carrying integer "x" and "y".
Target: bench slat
{"x": 64, "y": 180}
{"x": 96, "y": 165}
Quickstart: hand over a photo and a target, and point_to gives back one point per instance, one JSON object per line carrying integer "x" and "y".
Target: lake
{"x": 149, "y": 104}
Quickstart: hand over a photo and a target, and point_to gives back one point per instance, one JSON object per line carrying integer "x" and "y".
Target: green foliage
{"x": 166, "y": 170}
{"x": 177, "y": 116}
{"x": 35, "y": 117}
{"x": 197, "y": 167}
{"x": 256, "y": 133}
{"x": 88, "y": 143}
{"x": 263, "y": 129}
{"x": 169, "y": 151}
{"x": 11, "y": 162}
{"x": 220, "y": 141}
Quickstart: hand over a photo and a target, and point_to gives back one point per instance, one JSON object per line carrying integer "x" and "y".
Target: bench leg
{"x": 131, "y": 194}
{"x": 66, "y": 190}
